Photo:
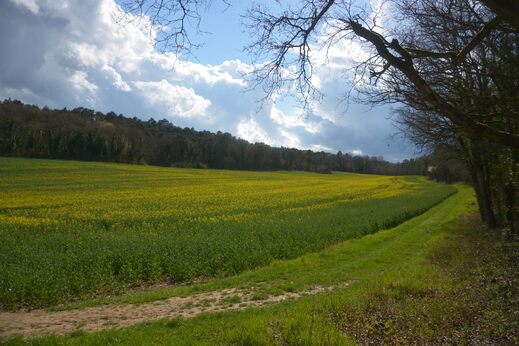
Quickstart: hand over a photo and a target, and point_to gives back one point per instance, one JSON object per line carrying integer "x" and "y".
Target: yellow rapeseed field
{"x": 72, "y": 229}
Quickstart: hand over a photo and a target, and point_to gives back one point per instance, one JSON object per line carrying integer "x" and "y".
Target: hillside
{"x": 75, "y": 230}
{"x": 83, "y": 134}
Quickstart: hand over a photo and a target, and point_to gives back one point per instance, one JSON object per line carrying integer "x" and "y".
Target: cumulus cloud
{"x": 250, "y": 130}
{"x": 79, "y": 81}
{"x": 293, "y": 120}
{"x": 118, "y": 81}
{"x": 178, "y": 100}
{"x": 30, "y": 5}
{"x": 90, "y": 53}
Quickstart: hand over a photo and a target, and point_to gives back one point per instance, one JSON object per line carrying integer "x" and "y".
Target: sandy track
{"x": 42, "y": 322}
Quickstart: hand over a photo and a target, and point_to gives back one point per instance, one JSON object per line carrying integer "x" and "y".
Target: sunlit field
{"x": 73, "y": 230}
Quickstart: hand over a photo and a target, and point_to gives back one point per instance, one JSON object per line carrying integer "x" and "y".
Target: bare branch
{"x": 284, "y": 40}
{"x": 480, "y": 36}
{"x": 458, "y": 57}
{"x": 172, "y": 23}
{"x": 430, "y": 97}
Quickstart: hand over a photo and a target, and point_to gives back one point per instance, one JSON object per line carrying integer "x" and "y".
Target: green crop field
{"x": 74, "y": 230}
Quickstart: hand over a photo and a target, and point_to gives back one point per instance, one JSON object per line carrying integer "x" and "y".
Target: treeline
{"x": 84, "y": 134}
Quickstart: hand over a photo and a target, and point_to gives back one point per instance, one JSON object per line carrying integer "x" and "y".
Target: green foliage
{"x": 74, "y": 230}
{"x": 83, "y": 134}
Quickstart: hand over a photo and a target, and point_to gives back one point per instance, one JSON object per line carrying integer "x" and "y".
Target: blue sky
{"x": 225, "y": 37}
{"x": 74, "y": 53}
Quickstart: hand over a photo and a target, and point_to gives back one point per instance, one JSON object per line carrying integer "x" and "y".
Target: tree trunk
{"x": 484, "y": 196}
{"x": 478, "y": 167}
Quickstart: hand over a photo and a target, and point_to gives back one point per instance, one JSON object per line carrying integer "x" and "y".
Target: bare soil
{"x": 43, "y": 322}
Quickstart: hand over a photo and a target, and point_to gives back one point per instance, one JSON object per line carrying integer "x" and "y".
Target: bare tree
{"x": 287, "y": 38}
{"x": 484, "y": 84}
{"x": 455, "y": 81}
{"x": 172, "y": 23}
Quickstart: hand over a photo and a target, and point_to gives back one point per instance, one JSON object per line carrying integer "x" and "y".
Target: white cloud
{"x": 89, "y": 53}
{"x": 208, "y": 74}
{"x": 251, "y": 131}
{"x": 119, "y": 83}
{"x": 86, "y": 54}
{"x": 288, "y": 139}
{"x": 382, "y": 15}
{"x": 319, "y": 147}
{"x": 31, "y": 5}
{"x": 229, "y": 72}
{"x": 79, "y": 81}
{"x": 294, "y": 120}
{"x": 178, "y": 100}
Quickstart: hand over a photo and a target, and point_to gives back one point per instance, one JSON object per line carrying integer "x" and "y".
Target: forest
{"x": 84, "y": 134}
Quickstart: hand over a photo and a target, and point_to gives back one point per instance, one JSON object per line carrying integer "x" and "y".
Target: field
{"x": 75, "y": 230}
{"x": 417, "y": 283}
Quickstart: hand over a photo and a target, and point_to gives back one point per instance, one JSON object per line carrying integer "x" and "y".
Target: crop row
{"x": 73, "y": 230}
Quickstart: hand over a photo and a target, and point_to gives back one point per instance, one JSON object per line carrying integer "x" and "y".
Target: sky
{"x": 75, "y": 53}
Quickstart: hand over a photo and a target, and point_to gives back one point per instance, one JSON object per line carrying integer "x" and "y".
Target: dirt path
{"x": 41, "y": 322}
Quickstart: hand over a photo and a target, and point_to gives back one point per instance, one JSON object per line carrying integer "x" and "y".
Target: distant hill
{"x": 84, "y": 134}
